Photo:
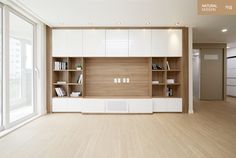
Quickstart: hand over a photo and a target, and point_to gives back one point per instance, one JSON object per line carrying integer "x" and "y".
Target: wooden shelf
{"x": 173, "y": 70}
{"x": 69, "y": 70}
{"x": 158, "y": 84}
{"x": 158, "y": 70}
{"x": 173, "y": 84}
{"x": 73, "y": 84}
{"x": 59, "y": 84}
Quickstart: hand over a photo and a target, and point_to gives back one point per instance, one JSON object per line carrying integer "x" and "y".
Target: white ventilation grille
{"x": 117, "y": 106}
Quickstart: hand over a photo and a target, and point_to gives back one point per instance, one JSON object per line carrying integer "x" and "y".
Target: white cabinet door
{"x": 116, "y": 43}
{"x": 67, "y": 43}
{"x": 66, "y": 105}
{"x": 167, "y": 104}
{"x": 167, "y": 42}
{"x": 140, "y": 43}
{"x": 74, "y": 43}
{"x": 175, "y": 104}
{"x": 140, "y": 106}
{"x": 58, "y": 43}
{"x": 94, "y": 43}
{"x": 93, "y": 106}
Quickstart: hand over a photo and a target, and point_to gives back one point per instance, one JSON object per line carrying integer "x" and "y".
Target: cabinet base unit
{"x": 167, "y": 105}
{"x": 67, "y": 105}
{"x": 140, "y": 106}
{"x": 93, "y": 106}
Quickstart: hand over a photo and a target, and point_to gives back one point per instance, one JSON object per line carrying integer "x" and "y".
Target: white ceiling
{"x": 61, "y": 13}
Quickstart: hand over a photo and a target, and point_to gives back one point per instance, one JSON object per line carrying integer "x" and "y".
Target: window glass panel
{"x": 20, "y": 68}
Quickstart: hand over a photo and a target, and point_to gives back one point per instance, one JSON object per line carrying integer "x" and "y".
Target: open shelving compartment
{"x": 67, "y": 77}
{"x": 174, "y": 73}
{"x": 158, "y": 76}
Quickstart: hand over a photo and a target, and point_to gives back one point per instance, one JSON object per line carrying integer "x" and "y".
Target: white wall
{"x": 231, "y": 72}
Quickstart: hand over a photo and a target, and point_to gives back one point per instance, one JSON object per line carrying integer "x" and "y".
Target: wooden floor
{"x": 209, "y": 133}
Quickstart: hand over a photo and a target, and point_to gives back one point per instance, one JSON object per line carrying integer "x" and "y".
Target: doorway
{"x": 209, "y": 71}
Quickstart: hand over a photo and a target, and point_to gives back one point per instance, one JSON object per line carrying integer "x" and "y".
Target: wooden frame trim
{"x": 48, "y": 69}
{"x": 185, "y": 68}
{"x": 119, "y": 27}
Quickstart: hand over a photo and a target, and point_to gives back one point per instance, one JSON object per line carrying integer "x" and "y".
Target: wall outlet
{"x": 124, "y": 80}
{"x": 127, "y": 80}
{"x": 118, "y": 80}
{"x": 115, "y": 80}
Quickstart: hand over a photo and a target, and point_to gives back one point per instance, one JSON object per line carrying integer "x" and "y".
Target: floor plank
{"x": 208, "y": 133}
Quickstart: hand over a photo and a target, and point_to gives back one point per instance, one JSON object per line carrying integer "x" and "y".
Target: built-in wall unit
{"x": 117, "y": 70}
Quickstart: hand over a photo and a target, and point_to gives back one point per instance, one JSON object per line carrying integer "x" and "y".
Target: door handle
{"x": 37, "y": 72}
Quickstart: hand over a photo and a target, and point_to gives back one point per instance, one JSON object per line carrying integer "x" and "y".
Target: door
{"x": 140, "y": 43}
{"x": 212, "y": 73}
{"x": 94, "y": 44}
{"x": 21, "y": 90}
{"x": 117, "y": 43}
{"x": 67, "y": 43}
{"x": 167, "y": 42}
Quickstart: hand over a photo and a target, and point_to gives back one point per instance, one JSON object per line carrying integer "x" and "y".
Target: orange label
{"x": 217, "y": 7}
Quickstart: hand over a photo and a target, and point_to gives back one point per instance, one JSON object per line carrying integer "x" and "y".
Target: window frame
{"x": 1, "y": 71}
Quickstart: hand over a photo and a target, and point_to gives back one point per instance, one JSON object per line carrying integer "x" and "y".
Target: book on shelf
{"x": 60, "y": 92}
{"x": 167, "y": 65}
{"x": 60, "y": 65}
{"x": 170, "y": 81}
{"x": 80, "y": 79}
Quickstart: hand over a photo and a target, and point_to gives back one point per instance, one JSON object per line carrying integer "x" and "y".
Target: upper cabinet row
{"x": 116, "y": 42}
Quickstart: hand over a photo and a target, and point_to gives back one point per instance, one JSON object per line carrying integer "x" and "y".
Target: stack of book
{"x": 60, "y": 92}
{"x": 75, "y": 94}
{"x": 60, "y": 65}
{"x": 155, "y": 82}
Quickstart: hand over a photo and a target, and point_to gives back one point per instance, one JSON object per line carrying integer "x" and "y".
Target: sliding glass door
{"x": 21, "y": 68}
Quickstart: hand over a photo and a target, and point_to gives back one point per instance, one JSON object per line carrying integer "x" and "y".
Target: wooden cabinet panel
{"x": 116, "y": 43}
{"x": 167, "y": 43}
{"x": 140, "y": 43}
{"x": 94, "y": 43}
